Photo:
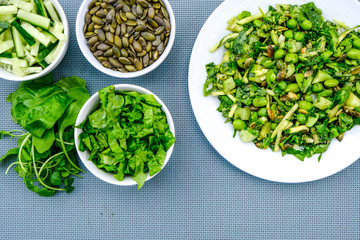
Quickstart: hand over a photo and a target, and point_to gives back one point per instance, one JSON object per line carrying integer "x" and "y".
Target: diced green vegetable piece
{"x": 353, "y": 101}
{"x": 312, "y": 120}
{"x": 26, "y": 36}
{"x": 34, "y": 19}
{"x": 322, "y": 103}
{"x": 42, "y": 55}
{"x": 51, "y": 10}
{"x": 7, "y": 45}
{"x": 40, "y": 8}
{"x": 18, "y": 43}
{"x": 229, "y": 84}
{"x": 22, "y": 5}
{"x": 36, "y": 33}
{"x": 6, "y": 10}
{"x": 246, "y": 136}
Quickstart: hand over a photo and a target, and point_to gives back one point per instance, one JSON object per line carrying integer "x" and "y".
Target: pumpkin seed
{"x": 103, "y": 46}
{"x": 110, "y": 37}
{"x": 94, "y": 10}
{"x": 124, "y": 60}
{"x": 148, "y": 36}
{"x": 93, "y": 40}
{"x": 146, "y": 60}
{"x": 125, "y": 42}
{"x": 98, "y": 53}
{"x": 110, "y": 16}
{"x": 116, "y": 51}
{"x": 130, "y": 16}
{"x": 115, "y": 62}
{"x": 100, "y": 13}
{"x": 130, "y": 68}
{"x": 101, "y": 35}
{"x": 106, "y": 64}
{"x": 138, "y": 64}
{"x": 124, "y": 53}
{"x": 165, "y": 13}
{"x": 142, "y": 53}
{"x": 109, "y": 53}
{"x": 97, "y": 20}
{"x": 153, "y": 23}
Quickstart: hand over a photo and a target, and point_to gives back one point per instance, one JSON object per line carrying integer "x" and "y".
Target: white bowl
{"x": 9, "y": 76}
{"x": 80, "y": 21}
{"x": 93, "y": 104}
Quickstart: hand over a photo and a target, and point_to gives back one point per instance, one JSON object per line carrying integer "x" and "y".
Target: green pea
{"x": 239, "y": 124}
{"x": 291, "y": 23}
{"x": 306, "y": 25}
{"x": 273, "y": 126}
{"x": 299, "y": 36}
{"x": 334, "y": 132}
{"x": 292, "y": 87}
{"x": 282, "y": 85}
{"x": 258, "y": 23}
{"x": 289, "y": 34}
{"x": 268, "y": 63}
{"x": 356, "y": 43}
{"x": 301, "y": 118}
{"x": 263, "y": 112}
{"x": 353, "y": 54}
{"x": 259, "y": 102}
{"x": 291, "y": 58}
{"x": 305, "y": 105}
{"x": 317, "y": 87}
{"x": 308, "y": 98}
{"x": 331, "y": 83}
{"x": 271, "y": 76}
{"x": 280, "y": 53}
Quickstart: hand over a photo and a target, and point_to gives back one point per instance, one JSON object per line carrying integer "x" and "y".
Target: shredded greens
{"x": 127, "y": 135}
{"x": 289, "y": 80}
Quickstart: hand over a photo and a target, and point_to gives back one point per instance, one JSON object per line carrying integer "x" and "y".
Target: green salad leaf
{"x": 127, "y": 135}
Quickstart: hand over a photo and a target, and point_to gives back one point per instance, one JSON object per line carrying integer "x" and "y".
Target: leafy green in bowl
{"x": 125, "y": 135}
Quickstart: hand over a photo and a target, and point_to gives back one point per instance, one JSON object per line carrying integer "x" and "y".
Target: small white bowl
{"x": 9, "y": 76}
{"x": 80, "y": 21}
{"x": 93, "y": 104}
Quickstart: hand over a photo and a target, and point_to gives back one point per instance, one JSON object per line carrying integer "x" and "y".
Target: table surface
{"x": 198, "y": 195}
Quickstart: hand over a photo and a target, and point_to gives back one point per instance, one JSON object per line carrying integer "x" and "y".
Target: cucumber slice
{"x": 52, "y": 12}
{"x": 31, "y": 60}
{"x": 35, "y": 49}
{"x": 42, "y": 54}
{"x": 54, "y": 53}
{"x": 18, "y": 43}
{"x": 6, "y": 55}
{"x": 43, "y": 64}
{"x": 40, "y": 8}
{"x": 4, "y": 24}
{"x": 26, "y": 36}
{"x": 30, "y": 70}
{"x": 34, "y": 19}
{"x": 53, "y": 39}
{"x": 14, "y": 61}
{"x": 7, "y": 45}
{"x": 36, "y": 33}
{"x": 6, "y": 10}
{"x": 22, "y": 5}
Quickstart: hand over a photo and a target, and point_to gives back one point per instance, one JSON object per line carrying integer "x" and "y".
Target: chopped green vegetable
{"x": 127, "y": 135}
{"x": 289, "y": 79}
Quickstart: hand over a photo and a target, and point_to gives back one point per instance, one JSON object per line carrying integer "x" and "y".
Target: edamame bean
{"x": 259, "y": 102}
{"x": 317, "y": 87}
{"x": 263, "y": 112}
{"x": 239, "y": 124}
{"x": 289, "y": 34}
{"x": 282, "y": 85}
{"x": 356, "y": 43}
{"x": 291, "y": 23}
{"x": 299, "y": 36}
{"x": 258, "y": 23}
{"x": 292, "y": 87}
{"x": 301, "y": 118}
{"x": 331, "y": 83}
{"x": 271, "y": 76}
{"x": 280, "y": 53}
{"x": 353, "y": 54}
{"x": 291, "y": 58}
{"x": 308, "y": 98}
{"x": 305, "y": 105}
{"x": 306, "y": 25}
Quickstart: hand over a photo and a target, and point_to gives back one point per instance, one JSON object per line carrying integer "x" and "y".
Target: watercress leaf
{"x": 45, "y": 142}
{"x": 55, "y": 178}
{"x": 44, "y": 192}
{"x": 13, "y": 151}
{"x": 68, "y": 185}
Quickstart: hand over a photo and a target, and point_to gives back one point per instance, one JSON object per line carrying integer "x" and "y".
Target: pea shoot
{"x": 289, "y": 80}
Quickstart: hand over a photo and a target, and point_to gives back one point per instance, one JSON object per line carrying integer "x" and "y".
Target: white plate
{"x": 263, "y": 163}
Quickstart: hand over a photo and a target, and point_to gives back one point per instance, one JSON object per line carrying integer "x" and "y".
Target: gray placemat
{"x": 198, "y": 195}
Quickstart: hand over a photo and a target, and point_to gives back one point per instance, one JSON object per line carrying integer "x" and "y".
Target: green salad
{"x": 128, "y": 135}
{"x": 288, "y": 80}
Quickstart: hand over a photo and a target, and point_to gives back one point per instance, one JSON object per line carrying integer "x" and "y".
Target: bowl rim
{"x": 92, "y": 104}
{"x": 11, "y": 77}
{"x": 95, "y": 63}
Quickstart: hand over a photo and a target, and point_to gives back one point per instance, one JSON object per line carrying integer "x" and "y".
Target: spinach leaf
{"x": 312, "y": 13}
{"x": 239, "y": 42}
{"x": 45, "y": 142}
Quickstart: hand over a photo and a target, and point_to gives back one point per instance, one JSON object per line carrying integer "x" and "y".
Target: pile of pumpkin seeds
{"x": 127, "y": 35}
